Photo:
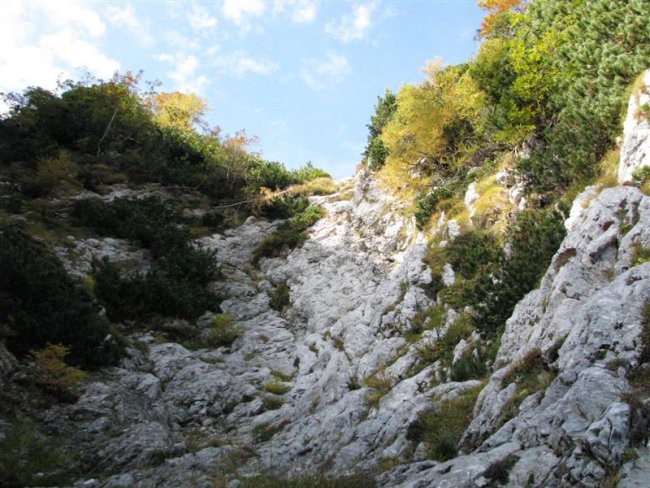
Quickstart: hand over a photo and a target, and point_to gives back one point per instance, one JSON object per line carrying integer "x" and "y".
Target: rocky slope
{"x": 290, "y": 394}
{"x": 329, "y": 383}
{"x": 568, "y": 396}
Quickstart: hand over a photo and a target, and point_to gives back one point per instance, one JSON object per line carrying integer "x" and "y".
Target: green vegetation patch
{"x": 290, "y": 235}
{"x": 176, "y": 285}
{"x": 224, "y": 331}
{"x": 442, "y": 426}
{"x": 30, "y": 458}
{"x": 280, "y": 297}
{"x": 41, "y": 304}
{"x": 309, "y": 481}
{"x": 530, "y": 374}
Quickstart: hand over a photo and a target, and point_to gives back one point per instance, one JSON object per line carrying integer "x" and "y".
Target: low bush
{"x": 50, "y": 174}
{"x": 272, "y": 403}
{"x": 381, "y": 383}
{"x": 29, "y": 458}
{"x": 285, "y": 207}
{"x": 443, "y": 348}
{"x": 265, "y": 432}
{"x": 308, "y": 172}
{"x": 470, "y": 366}
{"x": 442, "y": 426}
{"x": 533, "y": 238}
{"x": 309, "y": 481}
{"x": 214, "y": 219}
{"x": 277, "y": 388}
{"x": 176, "y": 283}
{"x": 41, "y": 304}
{"x": 280, "y": 297}
{"x": 530, "y": 374}
{"x": 224, "y": 332}
{"x": 52, "y": 373}
{"x": 290, "y": 235}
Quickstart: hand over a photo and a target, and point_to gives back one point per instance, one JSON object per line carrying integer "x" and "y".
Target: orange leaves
{"x": 495, "y": 9}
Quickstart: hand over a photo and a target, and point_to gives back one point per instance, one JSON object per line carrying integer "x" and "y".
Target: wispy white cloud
{"x": 321, "y": 73}
{"x": 185, "y": 72}
{"x": 199, "y": 18}
{"x": 239, "y": 63}
{"x": 181, "y": 43}
{"x": 353, "y": 26}
{"x": 42, "y": 41}
{"x": 300, "y": 11}
{"x": 240, "y": 12}
{"x": 126, "y": 17}
{"x": 65, "y": 45}
{"x": 70, "y": 14}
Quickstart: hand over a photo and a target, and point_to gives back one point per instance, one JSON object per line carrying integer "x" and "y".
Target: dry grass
{"x": 609, "y": 169}
{"x": 317, "y": 186}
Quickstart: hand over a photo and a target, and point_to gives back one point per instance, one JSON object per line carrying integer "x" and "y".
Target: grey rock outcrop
{"x": 635, "y": 152}
{"x": 585, "y": 321}
{"x": 291, "y": 393}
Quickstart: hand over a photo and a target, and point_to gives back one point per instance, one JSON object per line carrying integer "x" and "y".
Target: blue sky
{"x": 303, "y": 76}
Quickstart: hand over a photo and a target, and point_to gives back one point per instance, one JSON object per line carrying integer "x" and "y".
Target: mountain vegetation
{"x": 89, "y": 137}
{"x": 544, "y": 100}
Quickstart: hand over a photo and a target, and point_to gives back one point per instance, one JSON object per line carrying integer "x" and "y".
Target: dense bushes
{"x": 551, "y": 77}
{"x": 41, "y": 304}
{"x": 533, "y": 239}
{"x": 176, "y": 283}
{"x": 110, "y": 131}
{"x": 492, "y": 281}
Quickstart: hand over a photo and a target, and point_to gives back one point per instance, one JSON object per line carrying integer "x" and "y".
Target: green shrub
{"x": 309, "y": 481}
{"x": 167, "y": 289}
{"x": 177, "y": 281}
{"x": 290, "y": 235}
{"x": 381, "y": 383}
{"x": 470, "y": 366}
{"x": 641, "y": 254}
{"x": 641, "y": 175}
{"x": 426, "y": 204}
{"x": 377, "y": 154}
{"x": 442, "y": 426}
{"x": 499, "y": 471}
{"x": 277, "y": 388}
{"x": 270, "y": 174}
{"x": 443, "y": 348}
{"x": 51, "y": 173}
{"x": 285, "y": 207}
{"x": 308, "y": 173}
{"x": 533, "y": 237}
{"x": 472, "y": 252}
{"x": 280, "y": 297}
{"x": 52, "y": 373}
{"x": 29, "y": 458}
{"x": 265, "y": 432}
{"x": 530, "y": 374}
{"x": 41, "y": 304}
{"x": 224, "y": 332}
{"x": 213, "y": 219}
{"x": 376, "y": 151}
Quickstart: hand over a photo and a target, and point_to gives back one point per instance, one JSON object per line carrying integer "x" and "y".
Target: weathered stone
{"x": 635, "y": 152}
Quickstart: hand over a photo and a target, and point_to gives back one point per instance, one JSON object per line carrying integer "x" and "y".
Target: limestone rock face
{"x": 170, "y": 416}
{"x": 635, "y": 152}
{"x": 585, "y": 321}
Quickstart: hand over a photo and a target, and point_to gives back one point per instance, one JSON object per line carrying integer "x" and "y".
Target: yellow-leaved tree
{"x": 181, "y": 111}
{"x": 434, "y": 125}
{"x": 496, "y": 9}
